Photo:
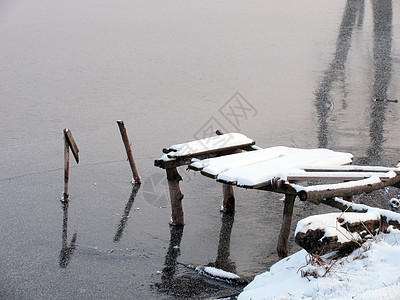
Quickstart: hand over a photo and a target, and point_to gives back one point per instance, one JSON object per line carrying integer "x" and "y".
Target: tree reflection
{"x": 382, "y": 62}
{"x": 323, "y": 100}
{"x": 382, "y": 13}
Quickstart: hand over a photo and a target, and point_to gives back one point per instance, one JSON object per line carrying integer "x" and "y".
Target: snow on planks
{"x": 257, "y": 168}
{"x": 216, "y": 143}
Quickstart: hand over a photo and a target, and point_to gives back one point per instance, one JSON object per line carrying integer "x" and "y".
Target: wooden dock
{"x": 233, "y": 160}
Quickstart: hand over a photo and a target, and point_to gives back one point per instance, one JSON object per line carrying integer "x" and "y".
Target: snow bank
{"x": 370, "y": 272}
{"x": 330, "y": 225}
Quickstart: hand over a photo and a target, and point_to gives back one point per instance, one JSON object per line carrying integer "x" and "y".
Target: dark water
{"x": 287, "y": 73}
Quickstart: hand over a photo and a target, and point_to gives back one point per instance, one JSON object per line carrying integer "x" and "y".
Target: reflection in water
{"x": 66, "y": 251}
{"x": 172, "y": 254}
{"x": 127, "y": 210}
{"x": 382, "y": 12}
{"x": 223, "y": 262}
{"x": 188, "y": 284}
{"x": 382, "y": 61}
{"x": 323, "y": 101}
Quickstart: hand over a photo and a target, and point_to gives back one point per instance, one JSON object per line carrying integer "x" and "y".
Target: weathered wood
{"x": 352, "y": 168}
{"x": 186, "y": 160}
{"x": 72, "y": 144}
{"x": 286, "y": 224}
{"x": 347, "y": 206}
{"x": 66, "y": 168}
{"x": 136, "y": 177}
{"x": 228, "y": 202}
{"x": 339, "y": 176}
{"x": 317, "y": 196}
{"x": 316, "y": 242}
{"x": 176, "y": 196}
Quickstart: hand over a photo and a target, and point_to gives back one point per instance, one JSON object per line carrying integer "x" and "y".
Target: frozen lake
{"x": 291, "y": 73}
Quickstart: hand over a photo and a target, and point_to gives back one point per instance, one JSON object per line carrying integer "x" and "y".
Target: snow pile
{"x": 370, "y": 272}
{"x": 331, "y": 226}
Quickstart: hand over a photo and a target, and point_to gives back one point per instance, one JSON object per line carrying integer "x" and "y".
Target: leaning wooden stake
{"x": 69, "y": 142}
{"x": 286, "y": 223}
{"x": 128, "y": 149}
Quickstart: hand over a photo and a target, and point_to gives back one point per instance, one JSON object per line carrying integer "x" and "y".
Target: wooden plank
{"x": 210, "y": 152}
{"x": 186, "y": 160}
{"x": 72, "y": 144}
{"x": 341, "y": 176}
{"x": 205, "y": 146}
{"x": 351, "y": 168}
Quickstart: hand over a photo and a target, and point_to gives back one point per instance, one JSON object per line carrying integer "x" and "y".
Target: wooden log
{"x": 317, "y": 242}
{"x": 347, "y": 206}
{"x": 176, "y": 196}
{"x": 286, "y": 224}
{"x": 228, "y": 202}
{"x": 128, "y": 149}
{"x": 365, "y": 186}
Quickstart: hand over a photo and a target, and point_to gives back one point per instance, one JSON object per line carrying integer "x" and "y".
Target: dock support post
{"x": 176, "y": 196}
{"x": 228, "y": 202}
{"x": 286, "y": 224}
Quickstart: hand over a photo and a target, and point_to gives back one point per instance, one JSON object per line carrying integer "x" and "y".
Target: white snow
{"x": 370, "y": 272}
{"x": 217, "y": 165}
{"x": 330, "y": 224}
{"x": 208, "y": 144}
{"x": 214, "y": 272}
{"x": 261, "y": 172}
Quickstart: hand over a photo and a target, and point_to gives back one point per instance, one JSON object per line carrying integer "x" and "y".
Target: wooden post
{"x": 128, "y": 149}
{"x": 69, "y": 142}
{"x": 176, "y": 196}
{"x": 286, "y": 223}
{"x": 228, "y": 202}
{"x": 66, "y": 169}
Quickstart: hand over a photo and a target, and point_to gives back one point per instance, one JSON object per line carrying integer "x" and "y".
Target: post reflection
{"x": 176, "y": 233}
{"x": 323, "y": 100}
{"x": 128, "y": 207}
{"x": 223, "y": 261}
{"x": 382, "y": 14}
{"x": 66, "y": 251}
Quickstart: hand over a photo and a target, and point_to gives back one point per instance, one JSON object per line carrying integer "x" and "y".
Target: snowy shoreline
{"x": 370, "y": 272}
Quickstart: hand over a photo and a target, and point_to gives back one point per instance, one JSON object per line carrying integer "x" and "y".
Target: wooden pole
{"x": 176, "y": 196}
{"x": 286, "y": 223}
{"x": 128, "y": 149}
{"x": 69, "y": 142}
{"x": 228, "y": 202}
{"x": 66, "y": 168}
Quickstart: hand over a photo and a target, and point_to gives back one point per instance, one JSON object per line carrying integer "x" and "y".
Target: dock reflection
{"x": 127, "y": 210}
{"x": 223, "y": 261}
{"x": 180, "y": 283}
{"x": 66, "y": 251}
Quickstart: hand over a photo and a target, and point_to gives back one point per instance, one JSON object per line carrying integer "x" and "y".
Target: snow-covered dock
{"x": 277, "y": 169}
